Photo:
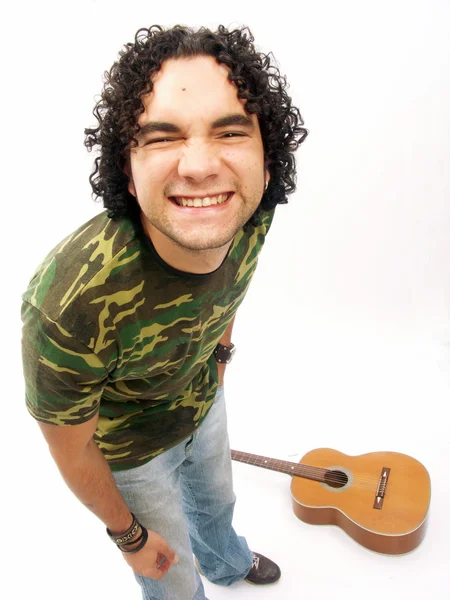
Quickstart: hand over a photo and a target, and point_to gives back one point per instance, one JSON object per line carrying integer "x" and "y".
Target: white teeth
{"x": 199, "y": 202}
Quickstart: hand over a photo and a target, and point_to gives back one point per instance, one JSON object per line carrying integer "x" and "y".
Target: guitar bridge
{"x": 381, "y": 490}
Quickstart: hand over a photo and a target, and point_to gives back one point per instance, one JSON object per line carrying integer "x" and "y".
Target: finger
{"x": 162, "y": 563}
{"x": 160, "y": 560}
{"x": 168, "y": 553}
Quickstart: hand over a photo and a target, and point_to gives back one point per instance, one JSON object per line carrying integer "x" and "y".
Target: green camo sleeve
{"x": 64, "y": 379}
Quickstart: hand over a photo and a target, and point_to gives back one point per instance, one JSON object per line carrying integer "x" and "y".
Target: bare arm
{"x": 226, "y": 341}
{"x": 87, "y": 473}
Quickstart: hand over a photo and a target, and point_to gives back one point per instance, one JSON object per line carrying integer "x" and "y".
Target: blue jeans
{"x": 186, "y": 495}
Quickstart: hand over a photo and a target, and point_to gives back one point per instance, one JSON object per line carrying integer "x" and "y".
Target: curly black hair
{"x": 257, "y": 79}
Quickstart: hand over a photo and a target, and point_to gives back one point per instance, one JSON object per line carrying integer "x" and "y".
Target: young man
{"x": 127, "y": 322}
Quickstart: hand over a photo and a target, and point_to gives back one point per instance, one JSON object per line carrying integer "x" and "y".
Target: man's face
{"x": 198, "y": 172}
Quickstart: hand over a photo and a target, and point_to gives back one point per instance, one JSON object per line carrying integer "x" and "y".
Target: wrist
{"x": 131, "y": 540}
{"x": 121, "y": 526}
{"x": 224, "y": 354}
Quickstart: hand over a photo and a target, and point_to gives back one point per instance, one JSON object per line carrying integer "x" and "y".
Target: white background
{"x": 344, "y": 336}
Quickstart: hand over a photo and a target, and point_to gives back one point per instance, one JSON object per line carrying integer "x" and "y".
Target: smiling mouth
{"x": 200, "y": 202}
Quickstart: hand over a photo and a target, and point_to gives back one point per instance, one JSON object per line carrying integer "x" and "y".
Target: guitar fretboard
{"x": 283, "y": 466}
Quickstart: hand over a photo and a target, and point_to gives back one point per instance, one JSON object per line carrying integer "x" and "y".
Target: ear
{"x": 129, "y": 174}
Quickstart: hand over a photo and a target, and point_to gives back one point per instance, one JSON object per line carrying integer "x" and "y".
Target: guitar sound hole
{"x": 336, "y": 479}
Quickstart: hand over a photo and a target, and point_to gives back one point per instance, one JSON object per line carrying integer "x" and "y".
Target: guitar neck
{"x": 283, "y": 466}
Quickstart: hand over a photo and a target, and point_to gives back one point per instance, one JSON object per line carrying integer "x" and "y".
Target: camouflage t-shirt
{"x": 109, "y": 327}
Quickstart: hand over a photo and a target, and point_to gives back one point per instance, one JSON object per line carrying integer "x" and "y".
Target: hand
{"x": 156, "y": 551}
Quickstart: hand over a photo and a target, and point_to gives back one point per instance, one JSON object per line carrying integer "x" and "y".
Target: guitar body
{"x": 380, "y": 499}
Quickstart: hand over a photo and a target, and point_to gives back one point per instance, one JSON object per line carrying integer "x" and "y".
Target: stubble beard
{"x": 210, "y": 242}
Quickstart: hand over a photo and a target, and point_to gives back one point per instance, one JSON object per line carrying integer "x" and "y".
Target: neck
{"x": 283, "y": 466}
{"x": 184, "y": 259}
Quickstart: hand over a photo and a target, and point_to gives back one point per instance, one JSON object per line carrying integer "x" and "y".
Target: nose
{"x": 198, "y": 161}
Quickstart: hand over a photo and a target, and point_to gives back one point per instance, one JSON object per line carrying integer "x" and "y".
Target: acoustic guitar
{"x": 380, "y": 499}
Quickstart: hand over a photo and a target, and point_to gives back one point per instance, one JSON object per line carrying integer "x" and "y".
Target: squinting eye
{"x": 233, "y": 133}
{"x": 161, "y": 140}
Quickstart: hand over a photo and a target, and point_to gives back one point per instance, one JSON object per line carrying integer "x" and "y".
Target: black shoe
{"x": 263, "y": 570}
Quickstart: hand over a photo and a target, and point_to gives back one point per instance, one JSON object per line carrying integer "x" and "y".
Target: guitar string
{"x": 283, "y": 466}
{"x": 314, "y": 471}
{"x": 362, "y": 482}
{"x": 358, "y": 482}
